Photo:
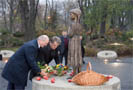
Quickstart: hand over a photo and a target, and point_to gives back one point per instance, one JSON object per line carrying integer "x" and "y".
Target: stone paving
{"x": 122, "y": 68}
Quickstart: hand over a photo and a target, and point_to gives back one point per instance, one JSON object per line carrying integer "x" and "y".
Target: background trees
{"x": 23, "y": 20}
{"x": 103, "y": 13}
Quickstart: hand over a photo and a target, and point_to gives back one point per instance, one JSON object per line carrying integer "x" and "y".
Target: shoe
{"x": 83, "y": 62}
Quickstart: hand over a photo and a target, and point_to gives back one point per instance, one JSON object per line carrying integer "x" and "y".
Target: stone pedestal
{"x": 2, "y": 64}
{"x": 6, "y": 54}
{"x": 61, "y": 83}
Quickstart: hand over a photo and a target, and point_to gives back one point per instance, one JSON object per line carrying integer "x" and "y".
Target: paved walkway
{"x": 122, "y": 68}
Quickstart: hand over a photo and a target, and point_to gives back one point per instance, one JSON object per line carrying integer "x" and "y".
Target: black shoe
{"x": 83, "y": 62}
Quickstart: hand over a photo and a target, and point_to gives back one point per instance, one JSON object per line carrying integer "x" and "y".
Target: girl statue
{"x": 74, "y": 47}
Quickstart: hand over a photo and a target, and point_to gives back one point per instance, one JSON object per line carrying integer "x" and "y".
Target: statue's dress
{"x": 74, "y": 46}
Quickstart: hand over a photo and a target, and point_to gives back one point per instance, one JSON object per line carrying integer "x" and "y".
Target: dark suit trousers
{"x": 65, "y": 56}
{"x": 12, "y": 86}
{"x": 0, "y": 56}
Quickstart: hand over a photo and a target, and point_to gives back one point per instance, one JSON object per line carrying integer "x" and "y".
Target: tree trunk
{"x": 102, "y": 27}
{"x": 103, "y": 23}
{"x": 11, "y": 21}
{"x": 24, "y": 16}
{"x": 28, "y": 11}
{"x": 113, "y": 20}
{"x": 45, "y": 15}
{"x": 3, "y": 4}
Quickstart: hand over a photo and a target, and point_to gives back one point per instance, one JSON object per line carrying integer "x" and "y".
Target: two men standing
{"x": 51, "y": 51}
{"x": 25, "y": 59}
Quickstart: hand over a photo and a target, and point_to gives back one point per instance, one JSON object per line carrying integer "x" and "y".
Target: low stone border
{"x": 107, "y": 54}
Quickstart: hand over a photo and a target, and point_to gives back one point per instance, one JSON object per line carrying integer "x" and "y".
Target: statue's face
{"x": 72, "y": 16}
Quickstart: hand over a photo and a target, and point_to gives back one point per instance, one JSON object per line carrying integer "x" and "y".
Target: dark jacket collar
{"x": 35, "y": 42}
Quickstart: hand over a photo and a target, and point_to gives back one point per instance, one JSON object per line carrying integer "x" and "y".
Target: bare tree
{"x": 3, "y": 12}
{"x": 67, "y": 6}
{"x": 13, "y": 5}
{"x": 65, "y": 13}
{"x": 40, "y": 16}
{"x": 45, "y": 14}
{"x": 28, "y": 11}
{"x": 52, "y": 12}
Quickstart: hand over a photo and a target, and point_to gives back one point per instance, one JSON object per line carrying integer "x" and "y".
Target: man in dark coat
{"x": 17, "y": 68}
{"x": 50, "y": 52}
{"x": 64, "y": 46}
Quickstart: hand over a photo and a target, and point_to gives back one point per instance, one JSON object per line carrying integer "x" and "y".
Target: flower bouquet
{"x": 60, "y": 69}
{"x": 47, "y": 69}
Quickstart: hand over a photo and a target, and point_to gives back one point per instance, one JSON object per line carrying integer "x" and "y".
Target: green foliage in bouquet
{"x": 45, "y": 68}
{"x": 60, "y": 69}
{"x": 41, "y": 66}
{"x": 49, "y": 69}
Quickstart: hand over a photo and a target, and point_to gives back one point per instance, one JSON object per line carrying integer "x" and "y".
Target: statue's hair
{"x": 76, "y": 12}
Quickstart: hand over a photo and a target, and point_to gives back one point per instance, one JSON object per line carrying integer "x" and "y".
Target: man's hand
{"x": 46, "y": 65}
{"x": 54, "y": 71}
{"x": 43, "y": 73}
